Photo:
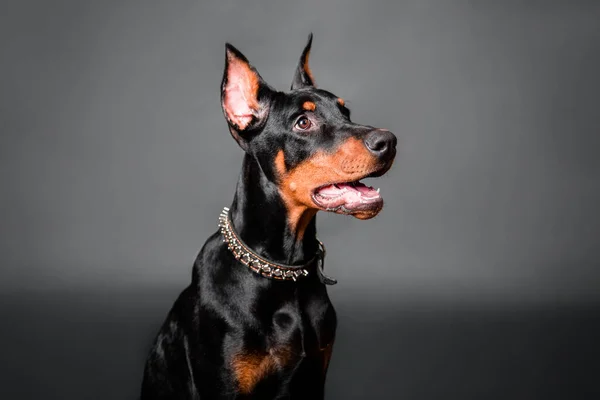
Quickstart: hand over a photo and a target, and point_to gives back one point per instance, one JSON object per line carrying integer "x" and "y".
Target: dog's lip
{"x": 348, "y": 198}
{"x": 373, "y": 174}
{"x": 352, "y": 197}
{"x": 344, "y": 183}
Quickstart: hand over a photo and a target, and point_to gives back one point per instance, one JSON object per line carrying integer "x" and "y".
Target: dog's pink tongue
{"x": 350, "y": 191}
{"x": 366, "y": 191}
{"x": 331, "y": 190}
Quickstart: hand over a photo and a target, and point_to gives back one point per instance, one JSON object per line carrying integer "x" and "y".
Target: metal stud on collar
{"x": 256, "y": 263}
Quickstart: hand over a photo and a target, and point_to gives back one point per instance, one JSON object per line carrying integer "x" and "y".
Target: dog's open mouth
{"x": 348, "y": 198}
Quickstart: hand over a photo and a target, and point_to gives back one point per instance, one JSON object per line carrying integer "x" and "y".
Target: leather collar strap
{"x": 267, "y": 268}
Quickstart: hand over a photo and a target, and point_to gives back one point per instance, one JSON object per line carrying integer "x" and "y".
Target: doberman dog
{"x": 256, "y": 321}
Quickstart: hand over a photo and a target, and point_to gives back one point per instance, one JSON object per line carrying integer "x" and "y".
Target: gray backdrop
{"x": 480, "y": 279}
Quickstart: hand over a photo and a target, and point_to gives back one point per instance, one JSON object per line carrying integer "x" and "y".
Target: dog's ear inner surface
{"x": 241, "y": 90}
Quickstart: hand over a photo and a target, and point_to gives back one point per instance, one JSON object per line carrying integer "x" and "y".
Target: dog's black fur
{"x": 233, "y": 334}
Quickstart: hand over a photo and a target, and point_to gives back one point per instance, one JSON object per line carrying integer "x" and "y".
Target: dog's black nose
{"x": 382, "y": 143}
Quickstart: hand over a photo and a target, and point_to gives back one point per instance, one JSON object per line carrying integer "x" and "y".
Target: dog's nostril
{"x": 377, "y": 144}
{"x": 380, "y": 141}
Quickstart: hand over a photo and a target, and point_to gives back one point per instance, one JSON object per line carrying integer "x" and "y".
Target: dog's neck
{"x": 260, "y": 219}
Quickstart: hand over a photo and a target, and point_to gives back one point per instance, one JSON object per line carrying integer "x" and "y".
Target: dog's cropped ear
{"x": 244, "y": 96}
{"x": 303, "y": 76}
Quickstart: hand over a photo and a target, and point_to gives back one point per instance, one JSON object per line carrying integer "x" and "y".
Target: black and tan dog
{"x": 256, "y": 321}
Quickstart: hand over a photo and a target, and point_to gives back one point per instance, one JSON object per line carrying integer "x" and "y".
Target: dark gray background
{"x": 480, "y": 279}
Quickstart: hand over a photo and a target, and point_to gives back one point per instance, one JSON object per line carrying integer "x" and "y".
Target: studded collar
{"x": 267, "y": 268}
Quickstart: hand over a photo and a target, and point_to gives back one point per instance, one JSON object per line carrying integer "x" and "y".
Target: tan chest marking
{"x": 249, "y": 368}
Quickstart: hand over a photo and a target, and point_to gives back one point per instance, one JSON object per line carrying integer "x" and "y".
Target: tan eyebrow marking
{"x": 341, "y": 102}
{"x": 309, "y": 106}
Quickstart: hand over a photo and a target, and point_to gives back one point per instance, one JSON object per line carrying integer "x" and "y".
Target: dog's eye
{"x": 303, "y": 123}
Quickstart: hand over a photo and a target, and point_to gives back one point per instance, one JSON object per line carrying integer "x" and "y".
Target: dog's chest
{"x": 305, "y": 326}
{"x": 295, "y": 332}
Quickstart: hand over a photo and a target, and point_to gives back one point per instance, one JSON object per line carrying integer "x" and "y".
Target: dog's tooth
{"x": 378, "y": 190}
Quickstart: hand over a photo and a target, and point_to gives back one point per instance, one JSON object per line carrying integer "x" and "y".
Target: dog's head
{"x": 304, "y": 140}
